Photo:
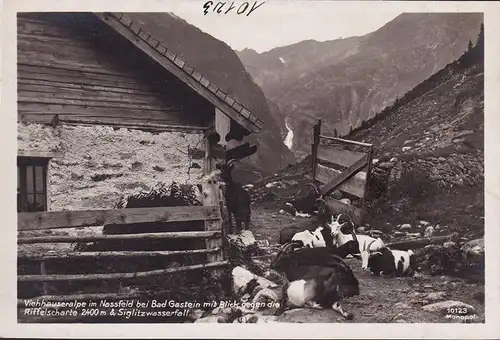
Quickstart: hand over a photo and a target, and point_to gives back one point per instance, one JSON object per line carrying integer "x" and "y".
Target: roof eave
{"x": 180, "y": 69}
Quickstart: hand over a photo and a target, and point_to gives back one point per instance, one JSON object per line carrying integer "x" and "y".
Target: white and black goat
{"x": 311, "y": 238}
{"x": 389, "y": 262}
{"x": 323, "y": 236}
{"x": 237, "y": 198}
{"x": 344, "y": 237}
{"x": 303, "y": 233}
{"x": 315, "y": 278}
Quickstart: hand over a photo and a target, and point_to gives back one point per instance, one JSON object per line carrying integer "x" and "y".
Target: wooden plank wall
{"x": 89, "y": 73}
{"x": 86, "y": 218}
{"x": 333, "y": 157}
{"x": 81, "y": 219}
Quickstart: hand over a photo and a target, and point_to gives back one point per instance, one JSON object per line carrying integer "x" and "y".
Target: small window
{"x": 32, "y": 184}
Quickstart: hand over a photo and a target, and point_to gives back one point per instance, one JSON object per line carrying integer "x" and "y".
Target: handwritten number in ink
{"x": 244, "y": 6}
{"x": 206, "y": 6}
{"x": 254, "y": 8}
{"x": 220, "y": 5}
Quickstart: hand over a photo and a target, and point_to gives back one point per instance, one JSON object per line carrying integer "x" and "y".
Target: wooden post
{"x": 211, "y": 197}
{"x": 47, "y": 173}
{"x": 225, "y": 221}
{"x": 367, "y": 183}
{"x": 210, "y": 156}
{"x": 207, "y": 161}
{"x": 314, "y": 151}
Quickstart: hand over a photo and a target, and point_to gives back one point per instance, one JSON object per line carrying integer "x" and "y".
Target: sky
{"x": 282, "y": 22}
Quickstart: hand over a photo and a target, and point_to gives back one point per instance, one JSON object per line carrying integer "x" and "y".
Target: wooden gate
{"x": 46, "y": 222}
{"x": 344, "y": 165}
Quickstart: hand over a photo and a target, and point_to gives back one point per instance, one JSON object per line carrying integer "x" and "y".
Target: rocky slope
{"x": 436, "y": 135}
{"x": 428, "y": 157}
{"x": 347, "y": 81}
{"x": 219, "y": 63}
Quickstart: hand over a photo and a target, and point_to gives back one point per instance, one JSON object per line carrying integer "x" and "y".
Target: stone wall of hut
{"x": 101, "y": 164}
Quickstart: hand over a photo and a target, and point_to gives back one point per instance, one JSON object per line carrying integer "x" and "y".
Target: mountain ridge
{"x": 346, "y": 81}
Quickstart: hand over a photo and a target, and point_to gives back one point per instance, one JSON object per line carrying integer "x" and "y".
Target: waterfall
{"x": 289, "y": 136}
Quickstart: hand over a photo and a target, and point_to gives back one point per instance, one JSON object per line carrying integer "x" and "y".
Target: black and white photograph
{"x": 265, "y": 162}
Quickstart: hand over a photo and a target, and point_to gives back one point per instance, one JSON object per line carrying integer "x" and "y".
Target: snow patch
{"x": 282, "y": 60}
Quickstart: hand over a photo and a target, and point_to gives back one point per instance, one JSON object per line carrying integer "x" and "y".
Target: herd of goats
{"x": 312, "y": 260}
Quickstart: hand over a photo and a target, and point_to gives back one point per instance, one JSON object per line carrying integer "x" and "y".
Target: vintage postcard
{"x": 187, "y": 164}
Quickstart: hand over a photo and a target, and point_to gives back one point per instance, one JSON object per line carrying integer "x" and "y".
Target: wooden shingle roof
{"x": 182, "y": 70}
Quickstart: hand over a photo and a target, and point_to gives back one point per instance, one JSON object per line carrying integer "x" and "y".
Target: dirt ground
{"x": 381, "y": 299}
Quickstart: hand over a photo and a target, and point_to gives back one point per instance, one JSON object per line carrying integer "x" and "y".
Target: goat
{"x": 368, "y": 245}
{"x": 287, "y": 233}
{"x": 354, "y": 245}
{"x": 325, "y": 212}
{"x": 344, "y": 237}
{"x": 315, "y": 278}
{"x": 313, "y": 256}
{"x": 305, "y": 201}
{"x": 320, "y": 237}
{"x": 350, "y": 247}
{"x": 237, "y": 198}
{"x": 390, "y": 262}
{"x": 323, "y": 216}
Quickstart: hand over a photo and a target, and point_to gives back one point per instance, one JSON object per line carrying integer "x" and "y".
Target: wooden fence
{"x": 344, "y": 165}
{"x": 210, "y": 213}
